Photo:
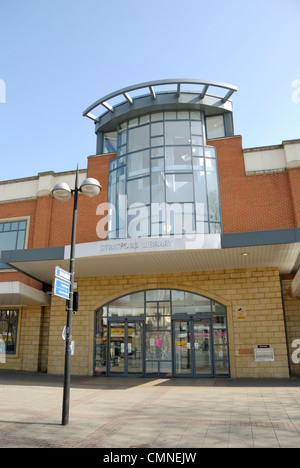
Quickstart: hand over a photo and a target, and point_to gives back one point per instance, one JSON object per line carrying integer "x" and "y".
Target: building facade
{"x": 187, "y": 263}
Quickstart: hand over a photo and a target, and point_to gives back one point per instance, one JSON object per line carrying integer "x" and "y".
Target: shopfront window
{"x": 8, "y": 329}
{"x": 162, "y": 332}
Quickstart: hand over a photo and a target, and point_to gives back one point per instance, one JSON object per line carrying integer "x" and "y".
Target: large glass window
{"x": 8, "y": 329}
{"x": 215, "y": 127}
{"x": 12, "y": 236}
{"x": 164, "y": 331}
{"x": 177, "y": 133}
{"x": 110, "y": 142}
{"x": 179, "y": 188}
{"x": 138, "y": 138}
{"x": 164, "y": 162}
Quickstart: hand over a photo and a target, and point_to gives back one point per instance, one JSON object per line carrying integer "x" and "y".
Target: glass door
{"x": 117, "y": 341}
{"x": 202, "y": 347}
{"x": 126, "y": 348}
{"x": 135, "y": 347}
{"x": 183, "y": 347}
{"x": 193, "y": 348}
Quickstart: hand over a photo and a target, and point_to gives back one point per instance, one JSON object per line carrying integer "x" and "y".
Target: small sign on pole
{"x": 62, "y": 274}
{"x": 61, "y": 289}
{"x": 62, "y": 283}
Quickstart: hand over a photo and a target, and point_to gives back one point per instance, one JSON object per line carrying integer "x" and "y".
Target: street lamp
{"x": 62, "y": 192}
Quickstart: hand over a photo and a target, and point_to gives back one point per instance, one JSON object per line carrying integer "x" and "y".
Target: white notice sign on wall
{"x": 264, "y": 355}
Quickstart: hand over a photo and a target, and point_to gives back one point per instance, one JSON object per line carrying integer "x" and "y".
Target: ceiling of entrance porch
{"x": 283, "y": 256}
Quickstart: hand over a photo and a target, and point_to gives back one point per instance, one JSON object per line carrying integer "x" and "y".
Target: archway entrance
{"x": 162, "y": 333}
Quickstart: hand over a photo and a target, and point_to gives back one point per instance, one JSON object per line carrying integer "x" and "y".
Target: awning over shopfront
{"x": 14, "y": 293}
{"x": 120, "y": 257}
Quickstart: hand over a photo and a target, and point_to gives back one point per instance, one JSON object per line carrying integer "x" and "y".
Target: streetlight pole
{"x": 62, "y": 192}
{"x": 69, "y": 307}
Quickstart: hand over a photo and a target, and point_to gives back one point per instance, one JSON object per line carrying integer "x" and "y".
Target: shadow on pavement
{"x": 10, "y": 377}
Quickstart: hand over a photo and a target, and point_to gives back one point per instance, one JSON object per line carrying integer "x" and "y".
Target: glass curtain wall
{"x": 164, "y": 180}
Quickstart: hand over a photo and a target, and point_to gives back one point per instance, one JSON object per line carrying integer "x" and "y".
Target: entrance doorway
{"x": 162, "y": 333}
{"x": 126, "y": 348}
{"x": 193, "y": 348}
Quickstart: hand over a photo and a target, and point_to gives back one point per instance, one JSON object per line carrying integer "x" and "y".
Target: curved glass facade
{"x": 164, "y": 180}
{"x": 162, "y": 332}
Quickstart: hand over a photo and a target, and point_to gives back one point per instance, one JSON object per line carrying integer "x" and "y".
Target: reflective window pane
{"x": 196, "y": 128}
{"x": 138, "y": 138}
{"x": 215, "y": 127}
{"x": 157, "y": 152}
{"x": 179, "y": 188}
{"x": 158, "y": 345}
{"x": 8, "y": 330}
{"x": 183, "y": 115}
{"x": 212, "y": 190}
{"x": 210, "y": 151}
{"x": 195, "y": 115}
{"x": 200, "y": 195}
{"x": 138, "y": 191}
{"x": 110, "y": 142}
{"x": 188, "y": 303}
{"x": 178, "y": 158}
{"x": 177, "y": 133}
{"x": 12, "y": 237}
{"x": 158, "y": 187}
{"x": 157, "y": 141}
{"x": 170, "y": 116}
{"x": 157, "y": 116}
{"x": 144, "y": 119}
{"x": 158, "y": 295}
{"x": 100, "y": 342}
{"x": 138, "y": 220}
{"x": 157, "y": 129}
{"x": 138, "y": 163}
{"x": 132, "y": 305}
{"x": 197, "y": 140}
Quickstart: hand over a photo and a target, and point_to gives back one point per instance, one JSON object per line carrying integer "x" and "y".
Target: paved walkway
{"x": 150, "y": 413}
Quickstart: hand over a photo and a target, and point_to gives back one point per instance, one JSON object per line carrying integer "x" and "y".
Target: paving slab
{"x": 129, "y": 413}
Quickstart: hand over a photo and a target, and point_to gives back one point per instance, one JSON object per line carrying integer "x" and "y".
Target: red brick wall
{"x": 294, "y": 182}
{"x": 255, "y": 202}
{"x": 16, "y": 210}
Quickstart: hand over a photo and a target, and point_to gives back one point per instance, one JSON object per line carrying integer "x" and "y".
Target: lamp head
{"x": 62, "y": 192}
{"x": 90, "y": 187}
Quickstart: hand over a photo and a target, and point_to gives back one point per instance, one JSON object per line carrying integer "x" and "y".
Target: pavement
{"x": 131, "y": 413}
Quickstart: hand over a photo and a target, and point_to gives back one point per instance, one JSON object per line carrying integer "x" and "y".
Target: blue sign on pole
{"x": 61, "y": 288}
{"x": 62, "y": 274}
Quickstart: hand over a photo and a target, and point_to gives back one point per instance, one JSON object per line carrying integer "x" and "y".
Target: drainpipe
{"x": 285, "y": 327}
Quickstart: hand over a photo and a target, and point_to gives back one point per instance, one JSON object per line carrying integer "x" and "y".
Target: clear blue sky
{"x": 59, "y": 56}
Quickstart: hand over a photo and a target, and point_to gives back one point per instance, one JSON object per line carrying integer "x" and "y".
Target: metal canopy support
{"x": 228, "y": 95}
{"x": 128, "y": 97}
{"x": 204, "y": 91}
{"x": 151, "y": 84}
{"x": 92, "y": 117}
{"x": 152, "y": 92}
{"x": 178, "y": 90}
{"x": 108, "y": 106}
